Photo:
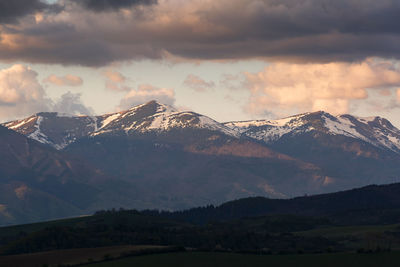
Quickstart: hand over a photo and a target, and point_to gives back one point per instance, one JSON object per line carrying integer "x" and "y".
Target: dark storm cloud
{"x": 289, "y": 30}
{"x": 106, "y": 5}
{"x": 11, "y": 10}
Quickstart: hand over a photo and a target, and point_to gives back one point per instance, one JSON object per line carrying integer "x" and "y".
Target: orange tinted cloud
{"x": 197, "y": 83}
{"x": 114, "y": 76}
{"x": 116, "y": 81}
{"x": 145, "y": 93}
{"x": 67, "y": 80}
{"x": 312, "y": 87}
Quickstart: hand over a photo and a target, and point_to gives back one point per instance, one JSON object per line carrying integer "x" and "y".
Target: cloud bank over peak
{"x": 145, "y": 93}
{"x": 294, "y": 88}
{"x": 71, "y": 103}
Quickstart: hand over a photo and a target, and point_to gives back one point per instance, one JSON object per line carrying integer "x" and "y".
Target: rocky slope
{"x": 38, "y": 182}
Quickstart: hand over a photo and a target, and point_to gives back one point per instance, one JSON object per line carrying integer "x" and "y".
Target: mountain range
{"x": 153, "y": 156}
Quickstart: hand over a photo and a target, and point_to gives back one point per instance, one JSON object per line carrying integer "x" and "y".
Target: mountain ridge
{"x": 156, "y": 117}
{"x": 361, "y": 128}
{"x": 148, "y": 117}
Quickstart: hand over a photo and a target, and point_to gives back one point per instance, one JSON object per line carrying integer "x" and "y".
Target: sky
{"x": 227, "y": 59}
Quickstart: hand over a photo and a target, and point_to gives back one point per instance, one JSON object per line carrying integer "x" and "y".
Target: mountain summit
{"x": 376, "y": 131}
{"x": 156, "y": 117}
{"x": 60, "y": 130}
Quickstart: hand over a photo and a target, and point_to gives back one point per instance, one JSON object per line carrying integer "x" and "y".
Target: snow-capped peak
{"x": 374, "y": 130}
{"x": 60, "y": 130}
{"x": 55, "y": 129}
{"x": 241, "y": 125}
{"x": 156, "y": 117}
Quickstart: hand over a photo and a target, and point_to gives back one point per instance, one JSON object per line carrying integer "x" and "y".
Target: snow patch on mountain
{"x": 158, "y": 118}
{"x": 37, "y": 134}
{"x": 342, "y": 126}
{"x": 13, "y": 126}
{"x": 211, "y": 124}
{"x": 162, "y": 118}
{"x": 109, "y": 119}
{"x": 374, "y": 130}
{"x": 271, "y": 130}
{"x": 243, "y": 125}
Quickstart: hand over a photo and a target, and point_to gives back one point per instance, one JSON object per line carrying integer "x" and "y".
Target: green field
{"x": 197, "y": 259}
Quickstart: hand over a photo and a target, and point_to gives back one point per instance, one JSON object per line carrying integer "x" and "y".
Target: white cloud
{"x": 284, "y": 88}
{"x": 67, "y": 80}
{"x": 21, "y": 93}
{"x": 197, "y": 83}
{"x": 145, "y": 93}
{"x": 70, "y": 103}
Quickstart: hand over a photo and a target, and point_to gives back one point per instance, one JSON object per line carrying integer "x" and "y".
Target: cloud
{"x": 10, "y": 11}
{"x": 116, "y": 81}
{"x": 67, "y": 80}
{"x": 197, "y": 83}
{"x": 274, "y": 30}
{"x": 331, "y": 87}
{"x": 385, "y": 92}
{"x": 233, "y": 82}
{"x": 22, "y": 95}
{"x": 145, "y": 93}
{"x": 70, "y": 103}
{"x": 398, "y": 94}
{"x": 115, "y": 76}
{"x": 107, "y": 5}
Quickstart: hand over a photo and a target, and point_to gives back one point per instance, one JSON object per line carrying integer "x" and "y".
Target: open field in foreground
{"x": 72, "y": 256}
{"x": 196, "y": 259}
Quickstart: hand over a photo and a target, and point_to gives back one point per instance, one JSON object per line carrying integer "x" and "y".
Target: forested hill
{"x": 246, "y": 224}
{"x": 361, "y": 205}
